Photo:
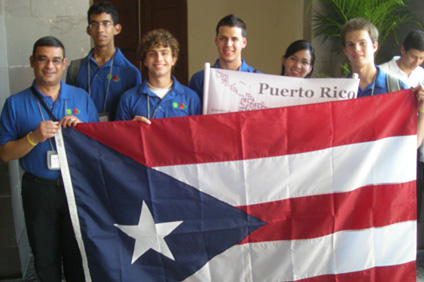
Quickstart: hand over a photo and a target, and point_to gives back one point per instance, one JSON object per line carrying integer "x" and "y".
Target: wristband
{"x": 29, "y": 139}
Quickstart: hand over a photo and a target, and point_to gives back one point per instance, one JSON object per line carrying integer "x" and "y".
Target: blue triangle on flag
{"x": 110, "y": 189}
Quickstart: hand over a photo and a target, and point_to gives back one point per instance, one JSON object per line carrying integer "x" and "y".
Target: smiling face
{"x": 298, "y": 64}
{"x": 159, "y": 61}
{"x": 48, "y": 64}
{"x": 359, "y": 48}
{"x": 102, "y": 29}
{"x": 230, "y": 42}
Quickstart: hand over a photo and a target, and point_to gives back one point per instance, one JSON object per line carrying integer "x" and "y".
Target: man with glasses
{"x": 28, "y": 123}
{"x": 105, "y": 73}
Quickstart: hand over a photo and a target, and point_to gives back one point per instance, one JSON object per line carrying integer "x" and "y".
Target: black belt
{"x": 54, "y": 182}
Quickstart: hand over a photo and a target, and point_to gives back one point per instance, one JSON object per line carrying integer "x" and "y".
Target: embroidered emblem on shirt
{"x": 73, "y": 112}
{"x": 181, "y": 106}
{"x": 114, "y": 78}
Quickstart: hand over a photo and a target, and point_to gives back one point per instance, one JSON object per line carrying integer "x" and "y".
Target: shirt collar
{"x": 62, "y": 94}
{"x": 241, "y": 68}
{"x": 144, "y": 88}
{"x": 118, "y": 59}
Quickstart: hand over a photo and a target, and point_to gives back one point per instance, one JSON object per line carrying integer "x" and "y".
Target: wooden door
{"x": 138, "y": 17}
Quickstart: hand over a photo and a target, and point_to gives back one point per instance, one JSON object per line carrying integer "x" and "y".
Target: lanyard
{"x": 161, "y": 99}
{"x": 109, "y": 77}
{"x": 40, "y": 100}
{"x": 148, "y": 107}
{"x": 47, "y": 110}
{"x": 373, "y": 85}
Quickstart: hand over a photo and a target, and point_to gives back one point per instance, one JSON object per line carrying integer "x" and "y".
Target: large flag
{"x": 320, "y": 192}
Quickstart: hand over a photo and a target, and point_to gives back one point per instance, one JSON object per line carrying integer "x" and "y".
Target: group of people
{"x": 105, "y": 86}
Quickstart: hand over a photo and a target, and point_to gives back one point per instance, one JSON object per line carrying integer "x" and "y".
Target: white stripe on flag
{"x": 337, "y": 169}
{"x": 341, "y": 252}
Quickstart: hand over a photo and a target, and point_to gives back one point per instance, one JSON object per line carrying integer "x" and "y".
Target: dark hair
{"x": 298, "y": 46}
{"x": 48, "y": 41}
{"x": 103, "y": 7}
{"x": 359, "y": 24}
{"x": 156, "y": 38}
{"x": 414, "y": 40}
{"x": 232, "y": 21}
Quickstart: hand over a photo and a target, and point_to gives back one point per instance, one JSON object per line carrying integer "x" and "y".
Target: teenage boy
{"x": 230, "y": 40}
{"x": 406, "y": 67}
{"x": 160, "y": 95}
{"x": 360, "y": 42}
{"x": 105, "y": 73}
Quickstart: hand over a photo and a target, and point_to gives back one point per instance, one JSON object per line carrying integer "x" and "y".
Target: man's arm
{"x": 420, "y": 129}
{"x": 419, "y": 92}
{"x": 17, "y": 149}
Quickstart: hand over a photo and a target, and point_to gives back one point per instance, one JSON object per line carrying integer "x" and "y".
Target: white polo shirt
{"x": 416, "y": 76}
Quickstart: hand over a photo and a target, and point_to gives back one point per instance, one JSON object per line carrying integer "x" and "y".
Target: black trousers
{"x": 50, "y": 231}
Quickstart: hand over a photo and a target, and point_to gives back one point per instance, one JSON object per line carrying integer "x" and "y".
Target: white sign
{"x": 233, "y": 91}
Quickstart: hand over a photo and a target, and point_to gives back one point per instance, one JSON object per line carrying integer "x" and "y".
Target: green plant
{"x": 386, "y": 15}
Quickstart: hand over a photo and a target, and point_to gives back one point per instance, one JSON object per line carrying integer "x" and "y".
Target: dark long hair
{"x": 298, "y": 46}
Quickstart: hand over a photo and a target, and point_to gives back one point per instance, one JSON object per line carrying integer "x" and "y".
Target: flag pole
{"x": 206, "y": 78}
{"x": 356, "y": 77}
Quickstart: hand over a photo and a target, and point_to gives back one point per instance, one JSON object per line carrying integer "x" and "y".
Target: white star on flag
{"x": 148, "y": 234}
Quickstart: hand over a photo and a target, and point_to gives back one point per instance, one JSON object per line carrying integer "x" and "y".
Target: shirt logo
{"x": 73, "y": 112}
{"x": 181, "y": 106}
{"x": 114, "y": 78}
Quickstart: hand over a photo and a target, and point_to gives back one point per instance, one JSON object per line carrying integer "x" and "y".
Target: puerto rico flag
{"x": 319, "y": 192}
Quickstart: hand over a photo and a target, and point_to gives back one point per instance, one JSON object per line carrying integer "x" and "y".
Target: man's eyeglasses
{"x": 46, "y": 61}
{"x": 105, "y": 24}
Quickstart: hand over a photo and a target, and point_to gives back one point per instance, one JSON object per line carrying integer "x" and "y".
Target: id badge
{"x": 104, "y": 117}
{"x": 53, "y": 160}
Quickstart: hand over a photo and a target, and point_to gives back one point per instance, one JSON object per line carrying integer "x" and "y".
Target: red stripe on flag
{"x": 316, "y": 216}
{"x": 396, "y": 273}
{"x": 256, "y": 134}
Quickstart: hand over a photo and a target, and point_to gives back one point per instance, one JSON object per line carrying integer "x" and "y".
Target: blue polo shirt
{"x": 379, "y": 85}
{"x": 22, "y": 113}
{"x": 196, "y": 81}
{"x": 178, "y": 102}
{"x": 124, "y": 76}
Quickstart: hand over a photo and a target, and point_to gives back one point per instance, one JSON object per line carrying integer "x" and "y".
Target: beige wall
{"x": 271, "y": 26}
